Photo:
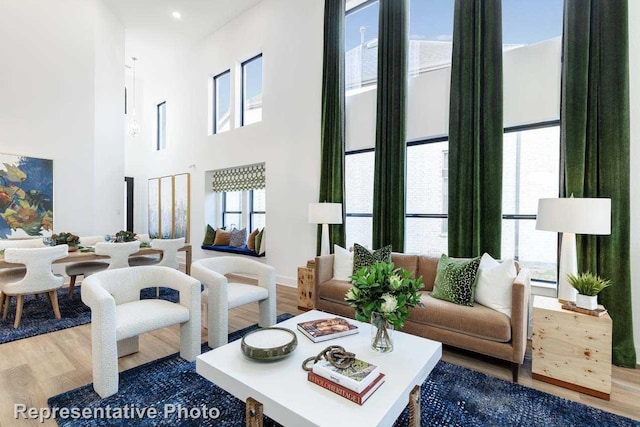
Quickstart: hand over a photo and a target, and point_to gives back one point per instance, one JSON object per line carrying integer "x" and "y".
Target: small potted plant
{"x": 588, "y": 286}
{"x": 123, "y": 236}
{"x": 65, "y": 238}
{"x": 383, "y": 295}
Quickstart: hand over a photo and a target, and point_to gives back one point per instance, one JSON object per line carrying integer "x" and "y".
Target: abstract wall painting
{"x": 154, "y": 207}
{"x": 26, "y": 196}
{"x": 181, "y": 186}
{"x": 166, "y": 207}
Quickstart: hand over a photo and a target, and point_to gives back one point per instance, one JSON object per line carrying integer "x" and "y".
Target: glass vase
{"x": 381, "y": 333}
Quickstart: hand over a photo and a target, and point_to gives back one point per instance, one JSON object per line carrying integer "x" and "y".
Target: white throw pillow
{"x": 495, "y": 282}
{"x": 342, "y": 263}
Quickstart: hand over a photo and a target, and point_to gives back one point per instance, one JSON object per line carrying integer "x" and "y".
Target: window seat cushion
{"x": 241, "y": 251}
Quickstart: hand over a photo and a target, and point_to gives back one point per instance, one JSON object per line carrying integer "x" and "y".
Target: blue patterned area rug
{"x": 451, "y": 396}
{"x": 37, "y": 314}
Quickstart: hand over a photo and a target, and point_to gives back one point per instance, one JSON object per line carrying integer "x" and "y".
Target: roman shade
{"x": 240, "y": 178}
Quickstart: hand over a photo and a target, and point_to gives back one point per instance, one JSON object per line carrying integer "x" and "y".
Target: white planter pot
{"x": 586, "y": 301}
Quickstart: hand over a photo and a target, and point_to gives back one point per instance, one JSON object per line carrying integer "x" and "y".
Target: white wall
{"x": 47, "y": 80}
{"x": 289, "y": 34}
{"x": 634, "y": 74}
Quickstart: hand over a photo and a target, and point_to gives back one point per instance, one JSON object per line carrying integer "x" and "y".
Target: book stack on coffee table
{"x": 356, "y": 383}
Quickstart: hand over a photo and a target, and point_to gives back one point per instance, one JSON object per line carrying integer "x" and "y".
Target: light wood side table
{"x": 306, "y": 279}
{"x": 571, "y": 349}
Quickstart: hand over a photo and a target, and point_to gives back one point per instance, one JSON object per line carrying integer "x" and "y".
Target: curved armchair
{"x": 84, "y": 268}
{"x": 220, "y": 296}
{"x": 38, "y": 278}
{"x": 169, "y": 258}
{"x": 118, "y": 316}
{"x": 118, "y": 252}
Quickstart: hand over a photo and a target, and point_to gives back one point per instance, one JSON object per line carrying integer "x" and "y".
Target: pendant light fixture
{"x": 134, "y": 125}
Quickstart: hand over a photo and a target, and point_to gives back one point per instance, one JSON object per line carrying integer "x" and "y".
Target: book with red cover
{"x": 351, "y": 395}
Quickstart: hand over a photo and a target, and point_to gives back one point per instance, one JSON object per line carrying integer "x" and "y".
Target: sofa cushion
{"x": 363, "y": 257}
{"x": 427, "y": 268}
{"x": 478, "y": 321}
{"x": 408, "y": 262}
{"x": 456, "y": 280}
{"x": 334, "y": 290}
{"x": 342, "y": 263}
{"x": 495, "y": 284}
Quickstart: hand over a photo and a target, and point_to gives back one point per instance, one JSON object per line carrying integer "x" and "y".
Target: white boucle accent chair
{"x": 84, "y": 268}
{"x": 117, "y": 252}
{"x": 38, "y": 277}
{"x": 220, "y": 296}
{"x": 118, "y": 316}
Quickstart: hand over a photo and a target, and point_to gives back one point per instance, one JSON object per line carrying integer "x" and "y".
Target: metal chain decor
{"x": 335, "y": 354}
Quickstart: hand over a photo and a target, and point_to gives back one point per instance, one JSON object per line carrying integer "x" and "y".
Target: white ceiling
{"x": 149, "y": 24}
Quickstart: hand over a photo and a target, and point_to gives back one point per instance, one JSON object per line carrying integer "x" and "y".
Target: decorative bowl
{"x": 269, "y": 344}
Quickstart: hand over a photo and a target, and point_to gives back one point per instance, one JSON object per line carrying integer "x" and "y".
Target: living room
{"x": 65, "y": 71}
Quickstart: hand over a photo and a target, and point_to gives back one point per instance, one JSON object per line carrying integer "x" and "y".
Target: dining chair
{"x": 38, "y": 278}
{"x": 117, "y": 252}
{"x": 84, "y": 268}
{"x": 220, "y": 296}
{"x": 18, "y": 272}
{"x": 138, "y": 260}
{"x": 168, "y": 258}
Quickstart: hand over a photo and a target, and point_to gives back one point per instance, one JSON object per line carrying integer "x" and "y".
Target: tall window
{"x": 359, "y": 166}
{"x": 361, "y": 45}
{"x": 427, "y": 196}
{"x": 161, "y": 141}
{"x": 232, "y": 209}
{"x": 251, "y": 111}
{"x": 222, "y": 102}
{"x": 531, "y": 171}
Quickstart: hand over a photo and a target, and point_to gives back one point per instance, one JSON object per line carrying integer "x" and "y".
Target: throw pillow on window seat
{"x": 456, "y": 280}
{"x": 363, "y": 257}
{"x": 238, "y": 238}
{"x": 262, "y": 247}
{"x": 209, "y": 235}
{"x": 223, "y": 237}
{"x": 251, "y": 241}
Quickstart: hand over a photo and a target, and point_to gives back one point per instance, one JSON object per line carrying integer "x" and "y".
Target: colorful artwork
{"x": 26, "y": 196}
{"x": 166, "y": 207}
{"x": 154, "y": 208}
{"x": 181, "y": 206}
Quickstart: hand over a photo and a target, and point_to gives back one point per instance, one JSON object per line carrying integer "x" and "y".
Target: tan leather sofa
{"x": 478, "y": 328}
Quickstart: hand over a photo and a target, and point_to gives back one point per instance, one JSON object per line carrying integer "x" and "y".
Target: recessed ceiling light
{"x": 176, "y": 15}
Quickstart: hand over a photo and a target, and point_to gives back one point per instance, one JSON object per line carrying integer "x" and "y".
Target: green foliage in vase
{"x": 66, "y": 239}
{"x": 588, "y": 283}
{"x": 123, "y": 236}
{"x": 383, "y": 289}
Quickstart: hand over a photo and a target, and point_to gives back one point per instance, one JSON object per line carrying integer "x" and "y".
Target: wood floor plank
{"x": 33, "y": 369}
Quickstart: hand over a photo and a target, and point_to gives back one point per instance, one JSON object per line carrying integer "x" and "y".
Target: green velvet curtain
{"x": 389, "y": 175}
{"x": 595, "y": 146}
{"x": 333, "y": 128}
{"x": 475, "y": 130}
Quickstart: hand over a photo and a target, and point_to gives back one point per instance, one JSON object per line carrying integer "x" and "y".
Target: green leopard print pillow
{"x": 456, "y": 280}
{"x": 362, "y": 257}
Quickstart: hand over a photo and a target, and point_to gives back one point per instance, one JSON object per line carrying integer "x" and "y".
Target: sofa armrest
{"x": 323, "y": 273}
{"x": 520, "y": 313}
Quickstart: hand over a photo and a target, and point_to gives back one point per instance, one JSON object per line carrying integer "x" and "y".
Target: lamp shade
{"x": 575, "y": 215}
{"x": 325, "y": 213}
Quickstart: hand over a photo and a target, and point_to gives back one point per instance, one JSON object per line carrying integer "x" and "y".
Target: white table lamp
{"x": 571, "y": 216}
{"x": 325, "y": 214}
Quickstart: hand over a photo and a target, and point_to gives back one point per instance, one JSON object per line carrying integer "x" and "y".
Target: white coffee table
{"x": 288, "y": 398}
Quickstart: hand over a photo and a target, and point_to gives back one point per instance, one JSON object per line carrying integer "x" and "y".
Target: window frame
{"x": 215, "y": 98}
{"x": 242, "y": 79}
{"x": 162, "y": 105}
{"x": 225, "y": 211}
{"x": 252, "y": 210}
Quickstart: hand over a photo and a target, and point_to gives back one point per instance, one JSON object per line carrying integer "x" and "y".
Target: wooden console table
{"x": 571, "y": 349}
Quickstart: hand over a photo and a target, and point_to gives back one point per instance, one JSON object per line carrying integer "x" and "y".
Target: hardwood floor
{"x": 33, "y": 369}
